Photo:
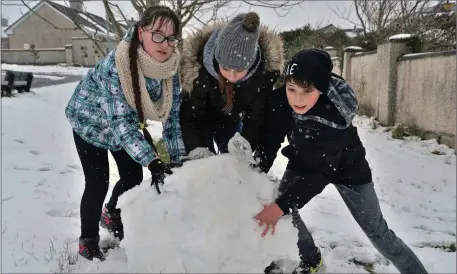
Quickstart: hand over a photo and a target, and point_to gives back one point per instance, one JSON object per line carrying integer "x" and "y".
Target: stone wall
{"x": 41, "y": 56}
{"x": 364, "y": 80}
{"x": 82, "y": 51}
{"x": 426, "y": 93}
{"x": 417, "y": 90}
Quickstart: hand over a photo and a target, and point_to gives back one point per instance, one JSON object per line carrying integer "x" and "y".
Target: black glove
{"x": 289, "y": 152}
{"x": 158, "y": 170}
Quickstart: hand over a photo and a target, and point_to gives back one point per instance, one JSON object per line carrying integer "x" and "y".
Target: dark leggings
{"x": 94, "y": 161}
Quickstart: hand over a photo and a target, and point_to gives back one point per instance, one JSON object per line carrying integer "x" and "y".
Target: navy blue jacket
{"x": 324, "y": 146}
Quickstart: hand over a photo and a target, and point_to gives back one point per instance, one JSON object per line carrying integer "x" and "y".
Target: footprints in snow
{"x": 34, "y": 152}
{"x": 21, "y": 168}
{"x": 19, "y": 141}
{"x": 424, "y": 228}
{"x": 63, "y": 212}
{"x": 428, "y": 230}
{"x": 7, "y": 199}
{"x": 46, "y": 168}
{"x": 69, "y": 169}
{"x": 73, "y": 167}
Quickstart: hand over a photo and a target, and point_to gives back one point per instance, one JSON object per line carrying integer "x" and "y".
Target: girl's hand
{"x": 241, "y": 148}
{"x": 269, "y": 216}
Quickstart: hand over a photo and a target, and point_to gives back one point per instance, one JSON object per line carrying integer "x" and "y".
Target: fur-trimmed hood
{"x": 271, "y": 46}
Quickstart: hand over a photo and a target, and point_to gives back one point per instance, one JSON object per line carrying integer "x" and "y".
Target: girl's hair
{"x": 307, "y": 86}
{"x": 150, "y": 16}
{"x": 227, "y": 89}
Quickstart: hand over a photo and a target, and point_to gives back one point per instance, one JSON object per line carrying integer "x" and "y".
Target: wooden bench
{"x": 21, "y": 81}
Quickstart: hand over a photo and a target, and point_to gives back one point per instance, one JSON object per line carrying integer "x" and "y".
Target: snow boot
{"x": 111, "y": 221}
{"x": 273, "y": 268}
{"x": 312, "y": 265}
{"x": 89, "y": 249}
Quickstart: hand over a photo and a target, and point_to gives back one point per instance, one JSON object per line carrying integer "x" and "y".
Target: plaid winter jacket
{"x": 100, "y": 114}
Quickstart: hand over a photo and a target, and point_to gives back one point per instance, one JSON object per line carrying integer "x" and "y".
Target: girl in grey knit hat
{"x": 228, "y": 70}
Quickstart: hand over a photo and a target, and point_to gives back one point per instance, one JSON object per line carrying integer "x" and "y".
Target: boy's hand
{"x": 269, "y": 216}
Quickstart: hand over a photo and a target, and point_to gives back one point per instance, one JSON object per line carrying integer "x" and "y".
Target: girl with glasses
{"x": 136, "y": 81}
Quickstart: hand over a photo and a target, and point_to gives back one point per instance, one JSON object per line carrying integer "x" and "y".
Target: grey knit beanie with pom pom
{"x": 237, "y": 42}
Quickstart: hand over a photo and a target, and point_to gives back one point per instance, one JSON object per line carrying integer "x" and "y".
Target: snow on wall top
{"x": 417, "y": 54}
{"x": 353, "y": 48}
{"x": 401, "y": 36}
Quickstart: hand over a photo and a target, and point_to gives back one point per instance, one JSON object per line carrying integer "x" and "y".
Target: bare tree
{"x": 112, "y": 19}
{"x": 186, "y": 10}
{"x": 35, "y": 54}
{"x": 191, "y": 13}
{"x": 381, "y": 18}
{"x": 195, "y": 13}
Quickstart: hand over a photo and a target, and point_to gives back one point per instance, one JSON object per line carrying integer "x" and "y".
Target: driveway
{"x": 44, "y": 79}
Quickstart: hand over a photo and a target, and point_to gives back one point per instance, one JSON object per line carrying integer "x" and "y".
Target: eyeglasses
{"x": 159, "y": 38}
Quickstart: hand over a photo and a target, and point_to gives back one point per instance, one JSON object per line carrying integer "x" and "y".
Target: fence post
{"x": 69, "y": 54}
{"x": 331, "y": 51}
{"x": 335, "y": 59}
{"x": 388, "y": 54}
{"x": 349, "y": 52}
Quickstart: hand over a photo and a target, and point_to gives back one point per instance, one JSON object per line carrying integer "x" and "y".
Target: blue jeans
{"x": 239, "y": 127}
{"x": 363, "y": 203}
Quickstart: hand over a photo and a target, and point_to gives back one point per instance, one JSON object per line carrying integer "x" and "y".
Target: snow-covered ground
{"x": 42, "y": 183}
{"x": 50, "y": 77}
{"x": 52, "y": 69}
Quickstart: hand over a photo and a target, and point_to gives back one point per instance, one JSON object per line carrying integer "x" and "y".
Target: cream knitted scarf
{"x": 149, "y": 67}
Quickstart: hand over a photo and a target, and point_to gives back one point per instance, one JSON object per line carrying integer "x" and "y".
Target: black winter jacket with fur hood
{"x": 203, "y": 100}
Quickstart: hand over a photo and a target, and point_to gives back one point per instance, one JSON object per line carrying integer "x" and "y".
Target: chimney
{"x": 4, "y": 22}
{"x": 76, "y": 4}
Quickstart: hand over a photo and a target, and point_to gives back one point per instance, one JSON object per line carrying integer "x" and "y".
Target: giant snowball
{"x": 203, "y": 221}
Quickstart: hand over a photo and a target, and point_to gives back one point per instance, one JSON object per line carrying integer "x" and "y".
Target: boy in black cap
{"x": 314, "y": 109}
